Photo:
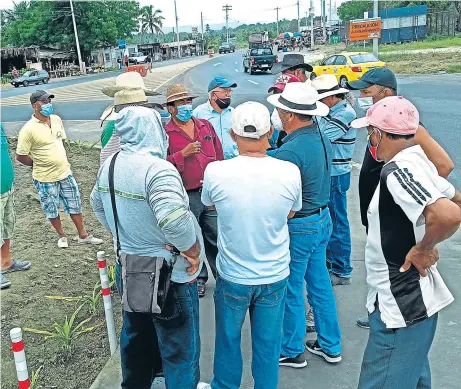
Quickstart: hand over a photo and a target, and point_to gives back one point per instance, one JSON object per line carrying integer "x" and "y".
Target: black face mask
{"x": 223, "y": 103}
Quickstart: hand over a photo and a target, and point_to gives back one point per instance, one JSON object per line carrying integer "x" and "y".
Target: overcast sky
{"x": 243, "y": 11}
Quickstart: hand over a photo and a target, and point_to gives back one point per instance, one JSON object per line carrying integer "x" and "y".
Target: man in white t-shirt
{"x": 409, "y": 214}
{"x": 254, "y": 195}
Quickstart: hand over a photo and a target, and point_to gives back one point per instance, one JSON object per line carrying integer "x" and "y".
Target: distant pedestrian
{"x": 337, "y": 127}
{"x": 193, "y": 144}
{"x": 15, "y": 72}
{"x": 127, "y": 60}
{"x": 375, "y": 85}
{"x": 149, "y": 63}
{"x": 409, "y": 214}
{"x": 254, "y": 195}
{"x": 7, "y": 214}
{"x": 40, "y": 145}
{"x": 218, "y": 111}
{"x": 152, "y": 211}
{"x": 110, "y": 142}
{"x": 310, "y": 229}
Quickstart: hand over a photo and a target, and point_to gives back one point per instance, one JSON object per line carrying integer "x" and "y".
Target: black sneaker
{"x": 201, "y": 286}
{"x": 363, "y": 323}
{"x": 313, "y": 347}
{"x": 297, "y": 362}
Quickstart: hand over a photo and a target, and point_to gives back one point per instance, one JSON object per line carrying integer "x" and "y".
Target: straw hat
{"x": 327, "y": 85}
{"x": 129, "y": 97}
{"x": 178, "y": 92}
{"x": 128, "y": 80}
{"x": 299, "y": 97}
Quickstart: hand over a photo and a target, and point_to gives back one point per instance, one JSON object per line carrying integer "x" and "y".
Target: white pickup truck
{"x": 137, "y": 58}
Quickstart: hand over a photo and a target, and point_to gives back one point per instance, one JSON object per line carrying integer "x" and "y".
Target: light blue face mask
{"x": 47, "y": 109}
{"x": 184, "y": 112}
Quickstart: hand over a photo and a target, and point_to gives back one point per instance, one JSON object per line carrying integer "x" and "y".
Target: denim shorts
{"x": 64, "y": 191}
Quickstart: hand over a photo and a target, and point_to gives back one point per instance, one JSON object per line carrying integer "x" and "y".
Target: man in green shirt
{"x": 7, "y": 216}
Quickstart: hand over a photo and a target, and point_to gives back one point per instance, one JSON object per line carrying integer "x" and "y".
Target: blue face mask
{"x": 184, "y": 112}
{"x": 47, "y": 109}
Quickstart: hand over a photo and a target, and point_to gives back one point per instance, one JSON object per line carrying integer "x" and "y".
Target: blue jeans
{"x": 308, "y": 241}
{"x": 397, "y": 358}
{"x": 143, "y": 334}
{"x": 265, "y": 304}
{"x": 339, "y": 247}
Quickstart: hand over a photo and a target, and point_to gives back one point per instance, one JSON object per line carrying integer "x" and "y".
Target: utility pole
{"x": 307, "y": 13}
{"x": 177, "y": 30}
{"x": 277, "y": 9}
{"x": 201, "y": 20}
{"x": 375, "y": 40}
{"x": 79, "y": 55}
{"x": 329, "y": 17}
{"x": 227, "y": 8}
{"x": 324, "y": 30}
{"x": 312, "y": 15}
{"x": 299, "y": 21}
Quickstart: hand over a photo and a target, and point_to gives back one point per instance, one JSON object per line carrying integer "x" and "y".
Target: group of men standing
{"x": 269, "y": 212}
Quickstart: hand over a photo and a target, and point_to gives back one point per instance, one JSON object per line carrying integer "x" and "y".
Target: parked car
{"x": 226, "y": 47}
{"x": 137, "y": 58}
{"x": 347, "y": 66}
{"x": 259, "y": 59}
{"x": 31, "y": 77}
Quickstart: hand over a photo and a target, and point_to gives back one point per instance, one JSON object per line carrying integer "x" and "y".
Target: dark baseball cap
{"x": 40, "y": 95}
{"x": 220, "y": 82}
{"x": 377, "y": 76}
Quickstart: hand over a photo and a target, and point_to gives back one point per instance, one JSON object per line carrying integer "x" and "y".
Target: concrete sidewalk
{"x": 351, "y": 305}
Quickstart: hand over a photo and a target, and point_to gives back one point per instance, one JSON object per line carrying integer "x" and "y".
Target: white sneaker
{"x": 62, "y": 243}
{"x": 203, "y": 385}
{"x": 90, "y": 239}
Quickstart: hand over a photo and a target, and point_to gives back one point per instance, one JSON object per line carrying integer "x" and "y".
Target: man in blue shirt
{"x": 310, "y": 228}
{"x": 336, "y": 126}
{"x": 218, "y": 112}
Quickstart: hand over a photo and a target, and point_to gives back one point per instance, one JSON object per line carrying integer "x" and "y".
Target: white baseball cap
{"x": 251, "y": 120}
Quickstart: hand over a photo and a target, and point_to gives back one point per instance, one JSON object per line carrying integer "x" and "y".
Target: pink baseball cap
{"x": 282, "y": 81}
{"x": 394, "y": 114}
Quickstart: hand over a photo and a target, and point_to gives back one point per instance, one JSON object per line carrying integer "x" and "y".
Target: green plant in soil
{"x": 34, "y": 378}
{"x": 66, "y": 333}
{"x": 93, "y": 300}
{"x": 111, "y": 275}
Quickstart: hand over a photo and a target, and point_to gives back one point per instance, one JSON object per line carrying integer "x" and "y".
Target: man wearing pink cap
{"x": 411, "y": 211}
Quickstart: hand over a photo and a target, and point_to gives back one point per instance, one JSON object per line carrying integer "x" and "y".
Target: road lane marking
{"x": 236, "y": 70}
{"x": 216, "y": 64}
{"x": 253, "y": 82}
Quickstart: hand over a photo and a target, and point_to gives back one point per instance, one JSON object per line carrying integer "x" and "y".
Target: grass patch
{"x": 423, "y": 63}
{"x": 430, "y": 43}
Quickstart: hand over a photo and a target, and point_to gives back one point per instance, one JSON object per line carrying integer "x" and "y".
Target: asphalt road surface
{"x": 437, "y": 97}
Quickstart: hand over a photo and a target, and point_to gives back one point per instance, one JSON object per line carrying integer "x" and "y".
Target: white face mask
{"x": 365, "y": 102}
{"x": 276, "y": 121}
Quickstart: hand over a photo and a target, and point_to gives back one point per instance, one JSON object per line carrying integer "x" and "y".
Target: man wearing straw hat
{"x": 152, "y": 211}
{"x": 336, "y": 126}
{"x": 193, "y": 144}
{"x": 132, "y": 80}
{"x": 310, "y": 228}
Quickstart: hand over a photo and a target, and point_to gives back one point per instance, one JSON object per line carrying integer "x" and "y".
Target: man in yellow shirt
{"x": 40, "y": 145}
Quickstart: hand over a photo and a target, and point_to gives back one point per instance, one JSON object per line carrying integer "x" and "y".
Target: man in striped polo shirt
{"x": 336, "y": 126}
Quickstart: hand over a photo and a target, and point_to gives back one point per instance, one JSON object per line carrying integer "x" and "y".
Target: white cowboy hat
{"x": 327, "y": 85}
{"x": 299, "y": 97}
{"x": 128, "y": 80}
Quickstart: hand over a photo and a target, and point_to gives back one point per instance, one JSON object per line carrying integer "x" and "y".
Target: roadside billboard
{"x": 364, "y": 29}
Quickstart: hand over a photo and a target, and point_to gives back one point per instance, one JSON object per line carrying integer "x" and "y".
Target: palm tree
{"x": 151, "y": 20}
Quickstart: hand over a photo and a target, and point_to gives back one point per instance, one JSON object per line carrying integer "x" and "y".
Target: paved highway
{"x": 437, "y": 97}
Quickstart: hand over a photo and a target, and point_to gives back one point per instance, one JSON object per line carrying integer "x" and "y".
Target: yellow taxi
{"x": 347, "y": 66}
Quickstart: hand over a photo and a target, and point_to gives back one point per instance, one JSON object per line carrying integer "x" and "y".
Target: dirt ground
{"x": 54, "y": 271}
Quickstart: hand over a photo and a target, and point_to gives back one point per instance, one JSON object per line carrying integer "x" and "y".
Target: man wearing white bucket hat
{"x": 139, "y": 93}
{"x": 310, "y": 228}
{"x": 336, "y": 126}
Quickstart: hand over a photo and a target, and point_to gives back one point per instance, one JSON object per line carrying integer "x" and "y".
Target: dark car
{"x": 31, "y": 77}
{"x": 259, "y": 59}
{"x": 226, "y": 47}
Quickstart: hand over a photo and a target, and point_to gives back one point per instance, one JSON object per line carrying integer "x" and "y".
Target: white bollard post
{"x": 17, "y": 344}
{"x": 102, "y": 265}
